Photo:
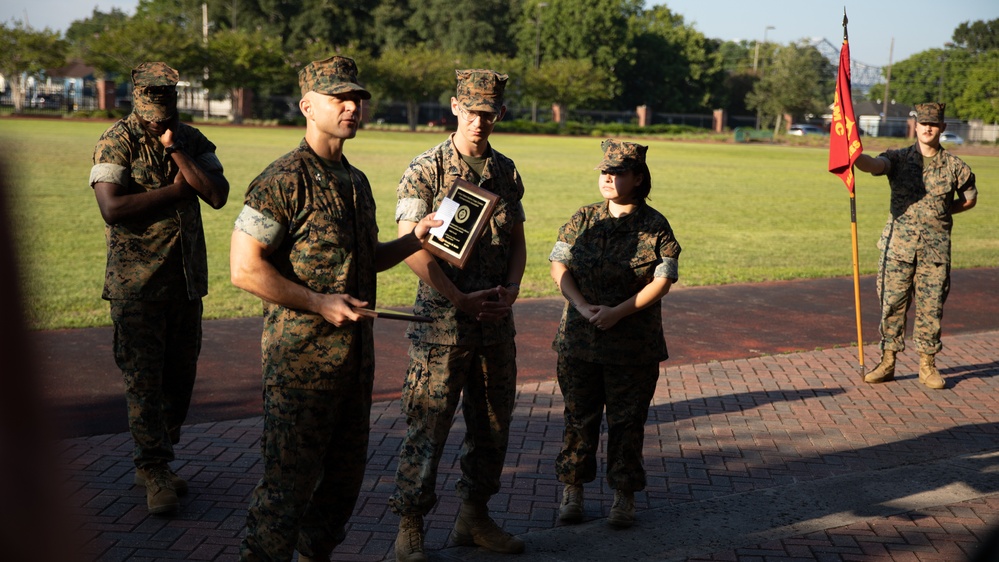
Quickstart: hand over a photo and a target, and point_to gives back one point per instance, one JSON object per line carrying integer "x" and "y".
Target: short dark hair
{"x": 642, "y": 191}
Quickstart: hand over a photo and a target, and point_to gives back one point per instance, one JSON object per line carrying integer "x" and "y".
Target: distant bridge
{"x": 862, "y": 76}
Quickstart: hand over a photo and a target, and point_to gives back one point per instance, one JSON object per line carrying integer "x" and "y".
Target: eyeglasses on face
{"x": 487, "y": 117}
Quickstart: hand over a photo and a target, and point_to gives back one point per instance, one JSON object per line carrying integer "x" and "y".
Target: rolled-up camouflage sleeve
{"x": 669, "y": 249}
{"x": 265, "y": 230}
{"x": 669, "y": 269}
{"x": 567, "y": 234}
{"x": 414, "y": 195}
{"x": 112, "y": 160}
{"x": 561, "y": 253}
{"x": 108, "y": 173}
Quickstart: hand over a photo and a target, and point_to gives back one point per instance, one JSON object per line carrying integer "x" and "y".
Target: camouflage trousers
{"x": 899, "y": 283}
{"x": 156, "y": 346}
{"x": 626, "y": 391}
{"x": 314, "y": 447}
{"x": 485, "y": 378}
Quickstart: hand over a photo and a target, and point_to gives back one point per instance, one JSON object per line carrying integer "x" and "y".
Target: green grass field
{"x": 743, "y": 213}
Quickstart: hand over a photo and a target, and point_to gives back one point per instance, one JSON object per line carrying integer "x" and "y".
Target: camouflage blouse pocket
{"x": 146, "y": 176}
{"x": 501, "y": 222}
{"x": 323, "y": 255}
{"x": 643, "y": 264}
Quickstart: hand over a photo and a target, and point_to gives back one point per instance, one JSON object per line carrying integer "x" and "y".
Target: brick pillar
{"x": 642, "y": 112}
{"x": 557, "y": 115}
{"x": 718, "y": 119}
{"x": 105, "y": 94}
{"x": 245, "y": 96}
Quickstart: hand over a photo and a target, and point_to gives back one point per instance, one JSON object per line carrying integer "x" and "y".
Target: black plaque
{"x": 475, "y": 206}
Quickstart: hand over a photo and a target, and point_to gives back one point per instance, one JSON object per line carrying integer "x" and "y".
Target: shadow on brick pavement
{"x": 760, "y": 457}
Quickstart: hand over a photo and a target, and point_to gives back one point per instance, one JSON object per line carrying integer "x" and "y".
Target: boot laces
{"x": 573, "y": 495}
{"x": 412, "y": 533}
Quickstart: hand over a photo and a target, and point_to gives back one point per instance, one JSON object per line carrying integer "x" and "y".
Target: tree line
{"x": 597, "y": 54}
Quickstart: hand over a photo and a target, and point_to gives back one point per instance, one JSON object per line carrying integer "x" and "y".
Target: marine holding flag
{"x": 928, "y": 186}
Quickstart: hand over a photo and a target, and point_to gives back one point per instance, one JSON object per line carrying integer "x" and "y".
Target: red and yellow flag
{"x": 844, "y": 136}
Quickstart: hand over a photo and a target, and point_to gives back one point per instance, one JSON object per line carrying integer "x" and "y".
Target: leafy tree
{"x": 412, "y": 75}
{"x": 462, "y": 26}
{"x": 798, "y": 82}
{"x": 338, "y": 23}
{"x": 931, "y": 75}
{"x": 595, "y": 30}
{"x": 735, "y": 90}
{"x": 736, "y": 57}
{"x": 569, "y": 83}
{"x": 389, "y": 30}
{"x": 295, "y": 22}
{"x": 977, "y": 37}
{"x": 736, "y": 79}
{"x": 80, "y": 30}
{"x": 117, "y": 50}
{"x": 238, "y": 60}
{"x": 670, "y": 66}
{"x": 24, "y": 50}
{"x": 980, "y": 96}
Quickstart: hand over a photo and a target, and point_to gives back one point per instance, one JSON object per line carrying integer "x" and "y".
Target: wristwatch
{"x": 512, "y": 285}
{"x": 173, "y": 148}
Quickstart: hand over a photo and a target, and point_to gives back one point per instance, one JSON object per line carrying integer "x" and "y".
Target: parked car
{"x": 952, "y": 138}
{"x": 802, "y": 130}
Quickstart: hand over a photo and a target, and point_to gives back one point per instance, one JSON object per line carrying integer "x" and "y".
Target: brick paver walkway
{"x": 786, "y": 457}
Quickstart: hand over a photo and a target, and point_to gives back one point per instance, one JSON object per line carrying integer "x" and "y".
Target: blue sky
{"x": 916, "y": 25}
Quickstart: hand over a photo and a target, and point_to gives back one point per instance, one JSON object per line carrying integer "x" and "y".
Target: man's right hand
{"x": 339, "y": 310}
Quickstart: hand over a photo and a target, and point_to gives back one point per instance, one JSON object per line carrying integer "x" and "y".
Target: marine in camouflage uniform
{"x": 928, "y": 185}
{"x": 468, "y": 349}
{"x": 613, "y": 260}
{"x": 149, "y": 172}
{"x": 306, "y": 242}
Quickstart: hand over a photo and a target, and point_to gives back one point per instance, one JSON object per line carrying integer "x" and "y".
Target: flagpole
{"x": 844, "y": 149}
{"x": 856, "y": 250}
{"x": 856, "y": 278}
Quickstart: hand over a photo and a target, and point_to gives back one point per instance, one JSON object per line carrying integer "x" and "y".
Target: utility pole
{"x": 756, "y": 57}
{"x": 204, "y": 40}
{"x": 537, "y": 55}
{"x": 884, "y": 105}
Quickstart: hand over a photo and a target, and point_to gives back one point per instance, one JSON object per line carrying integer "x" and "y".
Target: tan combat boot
{"x": 179, "y": 484}
{"x": 409, "y": 541}
{"x": 161, "y": 496}
{"x": 571, "y": 510}
{"x": 475, "y": 527}
{"x": 622, "y": 513}
{"x": 928, "y": 373}
{"x": 885, "y": 371}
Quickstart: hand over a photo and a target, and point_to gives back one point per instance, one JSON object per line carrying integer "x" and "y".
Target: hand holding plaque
{"x": 465, "y": 211}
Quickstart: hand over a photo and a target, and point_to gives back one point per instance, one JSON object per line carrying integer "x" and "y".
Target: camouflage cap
{"x": 620, "y": 156}
{"x": 154, "y": 97}
{"x": 480, "y": 90}
{"x": 335, "y": 75}
{"x": 154, "y": 74}
{"x": 932, "y": 112}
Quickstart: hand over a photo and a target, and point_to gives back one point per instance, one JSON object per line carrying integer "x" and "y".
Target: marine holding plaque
{"x": 469, "y": 279}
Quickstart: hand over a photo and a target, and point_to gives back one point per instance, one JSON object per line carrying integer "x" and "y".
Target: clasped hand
{"x": 489, "y": 304}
